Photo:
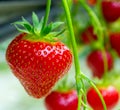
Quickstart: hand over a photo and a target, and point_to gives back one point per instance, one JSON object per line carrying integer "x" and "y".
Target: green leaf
{"x": 24, "y": 25}
{"x": 20, "y": 23}
{"x": 35, "y": 20}
{"x": 28, "y": 27}
{"x": 60, "y": 32}
{"x": 21, "y": 30}
{"x": 25, "y": 21}
{"x": 39, "y": 27}
{"x": 56, "y": 25}
{"x": 47, "y": 29}
{"x": 50, "y": 36}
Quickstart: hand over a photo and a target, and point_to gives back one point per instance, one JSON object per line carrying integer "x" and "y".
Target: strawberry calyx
{"x": 36, "y": 30}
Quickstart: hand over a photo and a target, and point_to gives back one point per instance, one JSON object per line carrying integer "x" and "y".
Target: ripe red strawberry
{"x": 37, "y": 61}
{"x": 115, "y": 42}
{"x": 95, "y": 62}
{"x": 62, "y": 100}
{"x": 110, "y": 96}
{"x": 88, "y": 35}
{"x": 110, "y": 10}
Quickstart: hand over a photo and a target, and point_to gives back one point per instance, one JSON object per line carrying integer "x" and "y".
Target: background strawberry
{"x": 110, "y": 95}
{"x": 115, "y": 41}
{"x": 110, "y": 10}
{"x": 88, "y": 35}
{"x": 58, "y": 100}
{"x": 36, "y": 59}
{"x": 95, "y": 62}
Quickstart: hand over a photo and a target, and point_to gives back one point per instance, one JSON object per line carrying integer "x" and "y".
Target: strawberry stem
{"x": 46, "y": 14}
{"x": 79, "y": 84}
{"x": 79, "y": 80}
{"x": 96, "y": 89}
{"x": 72, "y": 35}
{"x": 97, "y": 25}
{"x": 78, "y": 74}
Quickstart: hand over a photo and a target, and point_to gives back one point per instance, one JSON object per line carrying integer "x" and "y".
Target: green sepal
{"x": 56, "y": 25}
{"x": 47, "y": 29}
{"x": 52, "y": 35}
{"x": 35, "y": 20}
{"x": 24, "y": 26}
{"x": 27, "y": 25}
{"x": 36, "y": 28}
{"x": 21, "y": 30}
{"x": 37, "y": 24}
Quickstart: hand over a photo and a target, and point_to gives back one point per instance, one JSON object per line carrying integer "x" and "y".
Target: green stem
{"x": 79, "y": 75}
{"x": 72, "y": 35}
{"x": 75, "y": 53}
{"x": 95, "y": 22}
{"x": 84, "y": 97}
{"x": 96, "y": 89}
{"x": 46, "y": 13}
{"x": 97, "y": 25}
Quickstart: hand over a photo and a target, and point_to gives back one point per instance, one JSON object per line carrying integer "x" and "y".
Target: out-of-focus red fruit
{"x": 110, "y": 10}
{"x": 57, "y": 100}
{"x": 95, "y": 61}
{"x": 88, "y": 35}
{"x": 115, "y": 41}
{"x": 110, "y": 96}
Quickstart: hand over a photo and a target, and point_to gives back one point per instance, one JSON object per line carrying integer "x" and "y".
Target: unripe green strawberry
{"x": 38, "y": 62}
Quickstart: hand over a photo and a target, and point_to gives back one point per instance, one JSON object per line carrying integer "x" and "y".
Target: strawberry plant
{"x": 38, "y": 59}
{"x": 80, "y": 86}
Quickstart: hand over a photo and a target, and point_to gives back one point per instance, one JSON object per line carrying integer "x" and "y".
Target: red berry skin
{"x": 38, "y": 64}
{"x": 110, "y": 96}
{"x": 88, "y": 35}
{"x": 115, "y": 42}
{"x": 110, "y": 10}
{"x": 62, "y": 100}
{"x": 95, "y": 62}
